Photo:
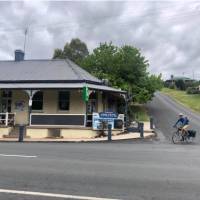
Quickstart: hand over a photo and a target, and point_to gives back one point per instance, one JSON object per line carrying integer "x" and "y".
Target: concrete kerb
{"x": 148, "y": 134}
{"x": 104, "y": 140}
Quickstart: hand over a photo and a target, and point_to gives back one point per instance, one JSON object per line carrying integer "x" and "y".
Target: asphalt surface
{"x": 129, "y": 170}
{"x": 165, "y": 113}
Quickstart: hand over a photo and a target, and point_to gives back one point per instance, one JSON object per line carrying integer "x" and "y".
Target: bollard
{"x": 21, "y": 133}
{"x": 151, "y": 122}
{"x": 109, "y": 132}
{"x": 141, "y": 129}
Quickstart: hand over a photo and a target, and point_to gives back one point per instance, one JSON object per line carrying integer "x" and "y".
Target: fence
{"x": 7, "y": 119}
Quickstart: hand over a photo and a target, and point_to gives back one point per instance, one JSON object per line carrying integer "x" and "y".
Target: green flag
{"x": 85, "y": 94}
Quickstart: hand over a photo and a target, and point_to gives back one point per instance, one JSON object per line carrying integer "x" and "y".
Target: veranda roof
{"x": 57, "y": 86}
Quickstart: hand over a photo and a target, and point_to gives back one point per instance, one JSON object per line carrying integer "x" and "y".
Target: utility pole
{"x": 25, "y": 34}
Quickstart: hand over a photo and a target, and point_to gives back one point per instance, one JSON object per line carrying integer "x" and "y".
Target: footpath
{"x": 148, "y": 133}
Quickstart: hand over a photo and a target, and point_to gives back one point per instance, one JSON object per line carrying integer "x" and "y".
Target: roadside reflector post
{"x": 109, "y": 132}
{"x": 151, "y": 122}
{"x": 21, "y": 133}
{"x": 141, "y": 129}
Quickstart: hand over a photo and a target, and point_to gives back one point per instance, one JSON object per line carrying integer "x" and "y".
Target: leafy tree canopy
{"x": 76, "y": 51}
{"x": 125, "y": 68}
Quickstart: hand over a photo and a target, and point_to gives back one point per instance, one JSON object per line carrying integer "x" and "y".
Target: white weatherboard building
{"x": 46, "y": 96}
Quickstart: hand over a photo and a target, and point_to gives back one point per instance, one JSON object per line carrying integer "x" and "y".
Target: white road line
{"x": 52, "y": 195}
{"x": 20, "y": 156}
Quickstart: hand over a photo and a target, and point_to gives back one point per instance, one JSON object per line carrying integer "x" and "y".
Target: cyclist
{"x": 183, "y": 124}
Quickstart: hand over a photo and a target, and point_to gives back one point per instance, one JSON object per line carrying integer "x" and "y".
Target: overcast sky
{"x": 166, "y": 32}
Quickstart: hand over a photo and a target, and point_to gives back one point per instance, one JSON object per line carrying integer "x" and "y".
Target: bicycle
{"x": 178, "y": 137}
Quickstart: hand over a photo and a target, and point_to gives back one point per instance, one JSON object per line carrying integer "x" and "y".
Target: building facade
{"x": 46, "y": 97}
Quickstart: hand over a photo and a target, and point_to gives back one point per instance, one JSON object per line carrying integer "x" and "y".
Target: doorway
{"x": 6, "y": 101}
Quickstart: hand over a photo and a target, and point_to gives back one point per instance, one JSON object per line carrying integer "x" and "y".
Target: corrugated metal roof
{"x": 43, "y": 74}
{"x": 43, "y": 70}
{"x": 57, "y": 86}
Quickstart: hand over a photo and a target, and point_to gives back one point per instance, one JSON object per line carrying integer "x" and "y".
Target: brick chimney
{"x": 19, "y": 55}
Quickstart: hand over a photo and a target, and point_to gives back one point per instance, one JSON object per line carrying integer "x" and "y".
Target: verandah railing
{"x": 7, "y": 119}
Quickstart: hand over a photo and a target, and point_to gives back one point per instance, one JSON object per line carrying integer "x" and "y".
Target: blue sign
{"x": 108, "y": 115}
{"x": 98, "y": 118}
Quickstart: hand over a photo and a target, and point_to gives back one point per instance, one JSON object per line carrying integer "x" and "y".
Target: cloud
{"x": 166, "y": 32}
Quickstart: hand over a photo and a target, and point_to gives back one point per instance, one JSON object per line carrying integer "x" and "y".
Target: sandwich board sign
{"x": 107, "y": 117}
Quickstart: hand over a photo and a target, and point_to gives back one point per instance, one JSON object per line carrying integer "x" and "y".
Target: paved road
{"x": 165, "y": 111}
{"x": 129, "y": 170}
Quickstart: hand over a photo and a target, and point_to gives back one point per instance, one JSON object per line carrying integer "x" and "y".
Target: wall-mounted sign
{"x": 20, "y": 105}
{"x": 30, "y": 102}
{"x": 105, "y": 117}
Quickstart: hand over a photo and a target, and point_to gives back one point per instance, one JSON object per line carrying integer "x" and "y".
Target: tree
{"x": 76, "y": 51}
{"x": 125, "y": 68}
{"x": 102, "y": 61}
{"x": 58, "y": 53}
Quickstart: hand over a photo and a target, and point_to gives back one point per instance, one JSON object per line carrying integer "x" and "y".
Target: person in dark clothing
{"x": 180, "y": 121}
{"x": 183, "y": 124}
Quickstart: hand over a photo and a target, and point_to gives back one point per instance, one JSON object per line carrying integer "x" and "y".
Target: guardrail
{"x": 7, "y": 119}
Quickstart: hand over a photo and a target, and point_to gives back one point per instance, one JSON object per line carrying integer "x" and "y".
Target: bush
{"x": 172, "y": 86}
{"x": 192, "y": 90}
{"x": 138, "y": 112}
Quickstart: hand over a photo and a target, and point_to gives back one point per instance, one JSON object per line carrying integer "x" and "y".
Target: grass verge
{"x": 191, "y": 101}
{"x": 139, "y": 112}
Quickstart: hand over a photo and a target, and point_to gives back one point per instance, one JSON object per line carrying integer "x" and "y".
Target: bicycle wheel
{"x": 176, "y": 137}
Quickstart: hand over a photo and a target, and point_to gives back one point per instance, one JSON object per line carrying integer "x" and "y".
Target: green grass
{"x": 191, "y": 101}
{"x": 139, "y": 112}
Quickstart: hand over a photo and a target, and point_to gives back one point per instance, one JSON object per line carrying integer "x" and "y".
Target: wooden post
{"x": 86, "y": 112}
{"x": 126, "y": 111}
{"x": 104, "y": 101}
{"x": 126, "y": 99}
{"x": 30, "y": 95}
{"x": 30, "y": 107}
{"x": 6, "y": 119}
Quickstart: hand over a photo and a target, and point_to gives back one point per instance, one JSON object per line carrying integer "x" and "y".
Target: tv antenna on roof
{"x": 25, "y": 34}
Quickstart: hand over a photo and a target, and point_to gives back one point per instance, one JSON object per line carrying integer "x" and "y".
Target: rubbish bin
{"x": 21, "y": 132}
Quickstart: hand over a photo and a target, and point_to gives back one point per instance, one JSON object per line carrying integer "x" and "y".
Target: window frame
{"x": 38, "y": 110}
{"x": 59, "y": 100}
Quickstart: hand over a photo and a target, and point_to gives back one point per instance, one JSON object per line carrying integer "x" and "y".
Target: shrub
{"x": 172, "y": 86}
{"x": 192, "y": 90}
